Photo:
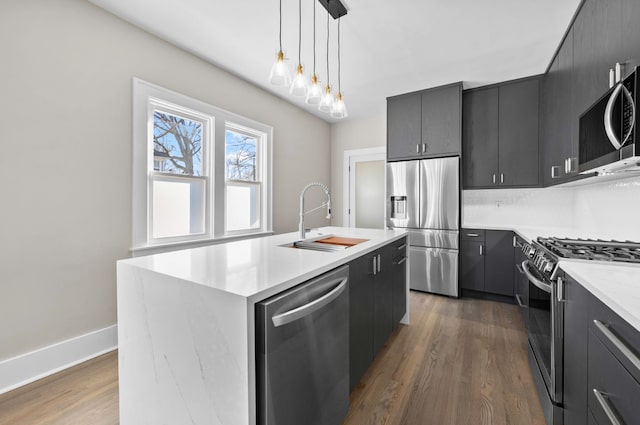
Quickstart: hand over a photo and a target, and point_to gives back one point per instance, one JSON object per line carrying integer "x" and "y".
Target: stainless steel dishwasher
{"x": 302, "y": 353}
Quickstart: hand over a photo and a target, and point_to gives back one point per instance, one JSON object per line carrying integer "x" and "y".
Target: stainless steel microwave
{"x": 608, "y": 140}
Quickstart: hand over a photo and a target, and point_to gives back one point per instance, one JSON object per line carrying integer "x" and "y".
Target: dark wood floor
{"x": 460, "y": 362}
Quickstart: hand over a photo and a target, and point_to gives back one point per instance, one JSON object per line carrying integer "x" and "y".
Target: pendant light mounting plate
{"x": 335, "y": 8}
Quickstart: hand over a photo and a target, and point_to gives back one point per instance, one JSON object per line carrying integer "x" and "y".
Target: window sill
{"x": 174, "y": 246}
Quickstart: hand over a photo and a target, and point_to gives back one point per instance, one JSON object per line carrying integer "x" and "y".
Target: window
{"x": 182, "y": 190}
{"x": 242, "y": 179}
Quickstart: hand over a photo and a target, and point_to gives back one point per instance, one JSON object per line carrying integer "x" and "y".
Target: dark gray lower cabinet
{"x": 486, "y": 261}
{"x": 472, "y": 265}
{"x": 498, "y": 262}
{"x": 382, "y": 299}
{"x": 601, "y": 362}
{"x": 576, "y": 318}
{"x": 399, "y": 271}
{"x": 361, "y": 317}
{"x": 377, "y": 298}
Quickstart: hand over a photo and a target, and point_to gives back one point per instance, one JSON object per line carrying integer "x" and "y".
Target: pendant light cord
{"x": 280, "y": 31}
{"x": 314, "y": 37}
{"x": 339, "y": 55}
{"x": 327, "y": 49}
{"x": 299, "y": 28}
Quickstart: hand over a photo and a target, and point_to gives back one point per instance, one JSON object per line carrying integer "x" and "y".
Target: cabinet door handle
{"x": 560, "y": 290}
{"x": 417, "y": 147}
{"x": 473, "y": 235}
{"x": 555, "y": 171}
{"x": 501, "y": 178}
{"x": 401, "y": 247}
{"x": 379, "y": 262}
{"x": 402, "y": 260}
{"x": 604, "y": 403}
{"x": 481, "y": 249}
{"x": 635, "y": 361}
{"x": 494, "y": 179}
{"x": 424, "y": 148}
{"x": 375, "y": 269}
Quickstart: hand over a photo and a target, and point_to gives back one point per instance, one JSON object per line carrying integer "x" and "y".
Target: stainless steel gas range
{"x": 546, "y": 309}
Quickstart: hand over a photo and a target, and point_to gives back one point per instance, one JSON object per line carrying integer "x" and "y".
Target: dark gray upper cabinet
{"x": 424, "y": 124}
{"x": 631, "y": 33}
{"x": 441, "y": 121}
{"x": 576, "y": 307}
{"x": 559, "y": 158}
{"x": 518, "y": 134}
{"x": 404, "y": 125}
{"x": 604, "y": 32}
{"x": 480, "y": 137}
{"x": 500, "y": 136}
{"x": 498, "y": 272}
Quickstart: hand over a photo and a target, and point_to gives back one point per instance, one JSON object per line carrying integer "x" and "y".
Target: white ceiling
{"x": 388, "y": 47}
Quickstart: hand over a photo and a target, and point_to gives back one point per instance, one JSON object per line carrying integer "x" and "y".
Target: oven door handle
{"x": 540, "y": 284}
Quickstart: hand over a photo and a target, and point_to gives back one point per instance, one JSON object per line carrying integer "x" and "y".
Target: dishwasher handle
{"x": 315, "y": 305}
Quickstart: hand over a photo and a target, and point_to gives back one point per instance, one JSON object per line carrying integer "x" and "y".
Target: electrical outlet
{"x": 498, "y": 204}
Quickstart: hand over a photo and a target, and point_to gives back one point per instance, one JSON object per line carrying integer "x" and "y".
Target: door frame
{"x": 350, "y": 158}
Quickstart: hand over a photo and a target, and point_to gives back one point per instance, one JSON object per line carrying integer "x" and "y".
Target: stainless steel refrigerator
{"x": 423, "y": 196}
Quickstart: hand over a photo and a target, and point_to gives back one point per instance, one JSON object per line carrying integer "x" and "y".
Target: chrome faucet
{"x": 303, "y": 212}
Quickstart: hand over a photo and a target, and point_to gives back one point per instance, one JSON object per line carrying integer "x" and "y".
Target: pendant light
{"x": 300, "y": 84}
{"x": 314, "y": 94}
{"x": 280, "y": 75}
{"x": 339, "y": 109}
{"x": 326, "y": 104}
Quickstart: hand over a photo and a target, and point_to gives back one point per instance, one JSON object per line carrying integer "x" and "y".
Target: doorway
{"x": 364, "y": 182}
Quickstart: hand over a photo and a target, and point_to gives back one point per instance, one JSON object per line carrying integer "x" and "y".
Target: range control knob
{"x": 531, "y": 251}
{"x": 548, "y": 267}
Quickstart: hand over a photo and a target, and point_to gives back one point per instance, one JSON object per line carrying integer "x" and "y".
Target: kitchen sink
{"x": 326, "y": 243}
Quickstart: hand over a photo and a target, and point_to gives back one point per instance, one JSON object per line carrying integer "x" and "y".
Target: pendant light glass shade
{"x": 326, "y": 103}
{"x": 314, "y": 94}
{"x": 300, "y": 84}
{"x": 280, "y": 74}
{"x": 339, "y": 109}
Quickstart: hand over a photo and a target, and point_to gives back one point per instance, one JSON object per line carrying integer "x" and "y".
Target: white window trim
{"x": 144, "y": 94}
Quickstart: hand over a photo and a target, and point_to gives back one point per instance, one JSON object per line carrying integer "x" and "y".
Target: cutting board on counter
{"x": 336, "y": 240}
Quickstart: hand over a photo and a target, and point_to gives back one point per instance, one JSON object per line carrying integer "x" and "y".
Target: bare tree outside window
{"x": 240, "y": 156}
{"x": 177, "y": 144}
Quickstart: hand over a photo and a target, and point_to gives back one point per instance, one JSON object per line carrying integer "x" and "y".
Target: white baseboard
{"x": 26, "y": 368}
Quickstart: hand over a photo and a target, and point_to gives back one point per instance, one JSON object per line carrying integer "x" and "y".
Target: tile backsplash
{"x": 609, "y": 210}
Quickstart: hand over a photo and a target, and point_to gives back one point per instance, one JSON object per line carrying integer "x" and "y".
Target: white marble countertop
{"x": 258, "y": 268}
{"x": 617, "y": 285}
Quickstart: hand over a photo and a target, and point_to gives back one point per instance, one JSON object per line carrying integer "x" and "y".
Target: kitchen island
{"x": 186, "y": 323}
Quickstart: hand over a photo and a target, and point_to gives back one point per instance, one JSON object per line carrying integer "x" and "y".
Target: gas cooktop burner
{"x": 593, "y": 249}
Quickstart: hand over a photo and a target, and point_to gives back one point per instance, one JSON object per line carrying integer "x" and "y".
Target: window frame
{"x": 261, "y": 165}
{"x": 147, "y": 98}
{"x": 208, "y": 123}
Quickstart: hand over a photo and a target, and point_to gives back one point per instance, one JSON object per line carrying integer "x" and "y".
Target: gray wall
{"x": 65, "y": 169}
